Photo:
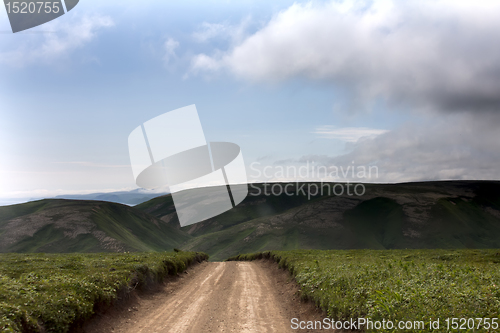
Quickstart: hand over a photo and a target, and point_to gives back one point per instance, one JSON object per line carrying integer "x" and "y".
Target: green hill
{"x": 59, "y": 225}
{"x": 450, "y": 214}
{"x": 454, "y": 214}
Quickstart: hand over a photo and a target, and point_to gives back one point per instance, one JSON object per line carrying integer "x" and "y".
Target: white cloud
{"x": 169, "y": 47}
{"x": 348, "y": 134}
{"x": 209, "y": 31}
{"x": 66, "y": 38}
{"x": 234, "y": 32}
{"x": 440, "y": 54}
{"x": 206, "y": 62}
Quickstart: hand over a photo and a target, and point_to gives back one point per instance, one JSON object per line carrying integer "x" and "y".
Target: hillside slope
{"x": 59, "y": 225}
{"x": 454, "y": 214}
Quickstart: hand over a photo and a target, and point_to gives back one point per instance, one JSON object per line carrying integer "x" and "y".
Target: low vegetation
{"x": 56, "y": 292}
{"x": 397, "y": 285}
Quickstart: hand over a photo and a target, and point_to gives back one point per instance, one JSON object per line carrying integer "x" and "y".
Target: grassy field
{"x": 54, "y": 292}
{"x": 397, "y": 285}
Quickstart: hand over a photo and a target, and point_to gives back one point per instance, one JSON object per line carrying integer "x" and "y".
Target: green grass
{"x": 54, "y": 292}
{"x": 377, "y": 222}
{"x": 8, "y": 212}
{"x": 253, "y": 207}
{"x": 136, "y": 229}
{"x": 396, "y": 284}
{"x": 51, "y": 239}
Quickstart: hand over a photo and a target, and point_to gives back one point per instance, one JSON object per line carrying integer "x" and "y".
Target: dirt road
{"x": 216, "y": 297}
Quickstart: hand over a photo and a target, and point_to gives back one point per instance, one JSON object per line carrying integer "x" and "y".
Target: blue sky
{"x": 330, "y": 82}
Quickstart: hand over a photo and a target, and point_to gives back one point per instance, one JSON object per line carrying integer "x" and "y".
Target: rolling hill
{"x": 60, "y": 225}
{"x": 451, "y": 214}
{"x": 446, "y": 214}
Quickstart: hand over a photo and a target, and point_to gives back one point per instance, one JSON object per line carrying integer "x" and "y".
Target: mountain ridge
{"x": 445, "y": 214}
{"x": 64, "y": 225}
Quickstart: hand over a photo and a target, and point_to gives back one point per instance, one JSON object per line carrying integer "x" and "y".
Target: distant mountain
{"x": 57, "y": 225}
{"x": 130, "y": 198}
{"x": 450, "y": 214}
{"x": 447, "y": 214}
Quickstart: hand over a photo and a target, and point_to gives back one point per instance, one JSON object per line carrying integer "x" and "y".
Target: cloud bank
{"x": 442, "y": 55}
{"x": 457, "y": 146}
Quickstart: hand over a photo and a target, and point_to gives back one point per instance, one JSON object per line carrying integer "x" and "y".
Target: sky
{"x": 410, "y": 87}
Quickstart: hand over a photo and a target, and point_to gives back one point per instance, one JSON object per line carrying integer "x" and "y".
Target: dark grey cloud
{"x": 457, "y": 146}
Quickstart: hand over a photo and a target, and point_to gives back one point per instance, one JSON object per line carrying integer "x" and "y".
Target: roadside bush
{"x": 395, "y": 284}
{"x": 52, "y": 292}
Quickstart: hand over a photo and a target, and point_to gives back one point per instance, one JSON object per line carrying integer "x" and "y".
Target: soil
{"x": 231, "y": 296}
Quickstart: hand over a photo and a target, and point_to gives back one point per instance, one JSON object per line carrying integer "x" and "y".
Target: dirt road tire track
{"x": 215, "y": 297}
